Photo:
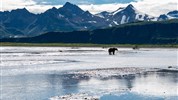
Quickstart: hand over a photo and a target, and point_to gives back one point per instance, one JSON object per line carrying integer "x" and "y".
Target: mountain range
{"x": 22, "y": 23}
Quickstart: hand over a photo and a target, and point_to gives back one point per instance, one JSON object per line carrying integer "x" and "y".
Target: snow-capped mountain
{"x": 125, "y": 15}
{"x": 169, "y": 15}
{"x": 173, "y": 14}
{"x": 70, "y": 17}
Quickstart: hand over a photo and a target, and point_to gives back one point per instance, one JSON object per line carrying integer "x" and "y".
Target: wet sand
{"x": 132, "y": 84}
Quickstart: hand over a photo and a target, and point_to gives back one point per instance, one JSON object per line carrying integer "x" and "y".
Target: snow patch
{"x": 123, "y": 20}
{"x": 91, "y": 21}
{"x": 171, "y": 17}
{"x": 140, "y": 16}
{"x": 154, "y": 19}
{"x": 118, "y": 10}
{"x": 115, "y": 22}
{"x": 61, "y": 15}
{"x": 128, "y": 19}
{"x": 99, "y": 15}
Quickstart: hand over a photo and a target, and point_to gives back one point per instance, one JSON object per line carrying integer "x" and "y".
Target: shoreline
{"x": 119, "y": 71}
{"x": 5, "y": 44}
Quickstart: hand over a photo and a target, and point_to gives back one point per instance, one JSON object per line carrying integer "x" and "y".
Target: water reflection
{"x": 148, "y": 85}
{"x": 157, "y": 84}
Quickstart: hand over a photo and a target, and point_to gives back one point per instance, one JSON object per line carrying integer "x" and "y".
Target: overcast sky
{"x": 152, "y": 7}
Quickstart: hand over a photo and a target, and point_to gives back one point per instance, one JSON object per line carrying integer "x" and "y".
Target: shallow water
{"x": 39, "y": 73}
{"x": 154, "y": 86}
{"x": 43, "y": 60}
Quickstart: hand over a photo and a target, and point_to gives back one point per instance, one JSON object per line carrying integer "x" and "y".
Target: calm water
{"x": 37, "y": 73}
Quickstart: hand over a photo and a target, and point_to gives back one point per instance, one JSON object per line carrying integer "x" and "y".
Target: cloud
{"x": 79, "y": 2}
{"x": 152, "y": 7}
{"x": 156, "y": 7}
{"x": 31, "y": 5}
{"x": 41, "y": 8}
{"x": 102, "y": 7}
{"x": 9, "y": 4}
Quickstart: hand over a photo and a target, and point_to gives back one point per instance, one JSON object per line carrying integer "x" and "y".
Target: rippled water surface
{"x": 40, "y": 73}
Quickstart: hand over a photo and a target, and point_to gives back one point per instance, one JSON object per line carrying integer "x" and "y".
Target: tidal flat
{"x": 73, "y": 73}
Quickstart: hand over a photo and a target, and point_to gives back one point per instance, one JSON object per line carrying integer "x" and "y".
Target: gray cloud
{"x": 61, "y": 2}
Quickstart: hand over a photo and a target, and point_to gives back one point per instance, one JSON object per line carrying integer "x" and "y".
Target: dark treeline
{"x": 165, "y": 32}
